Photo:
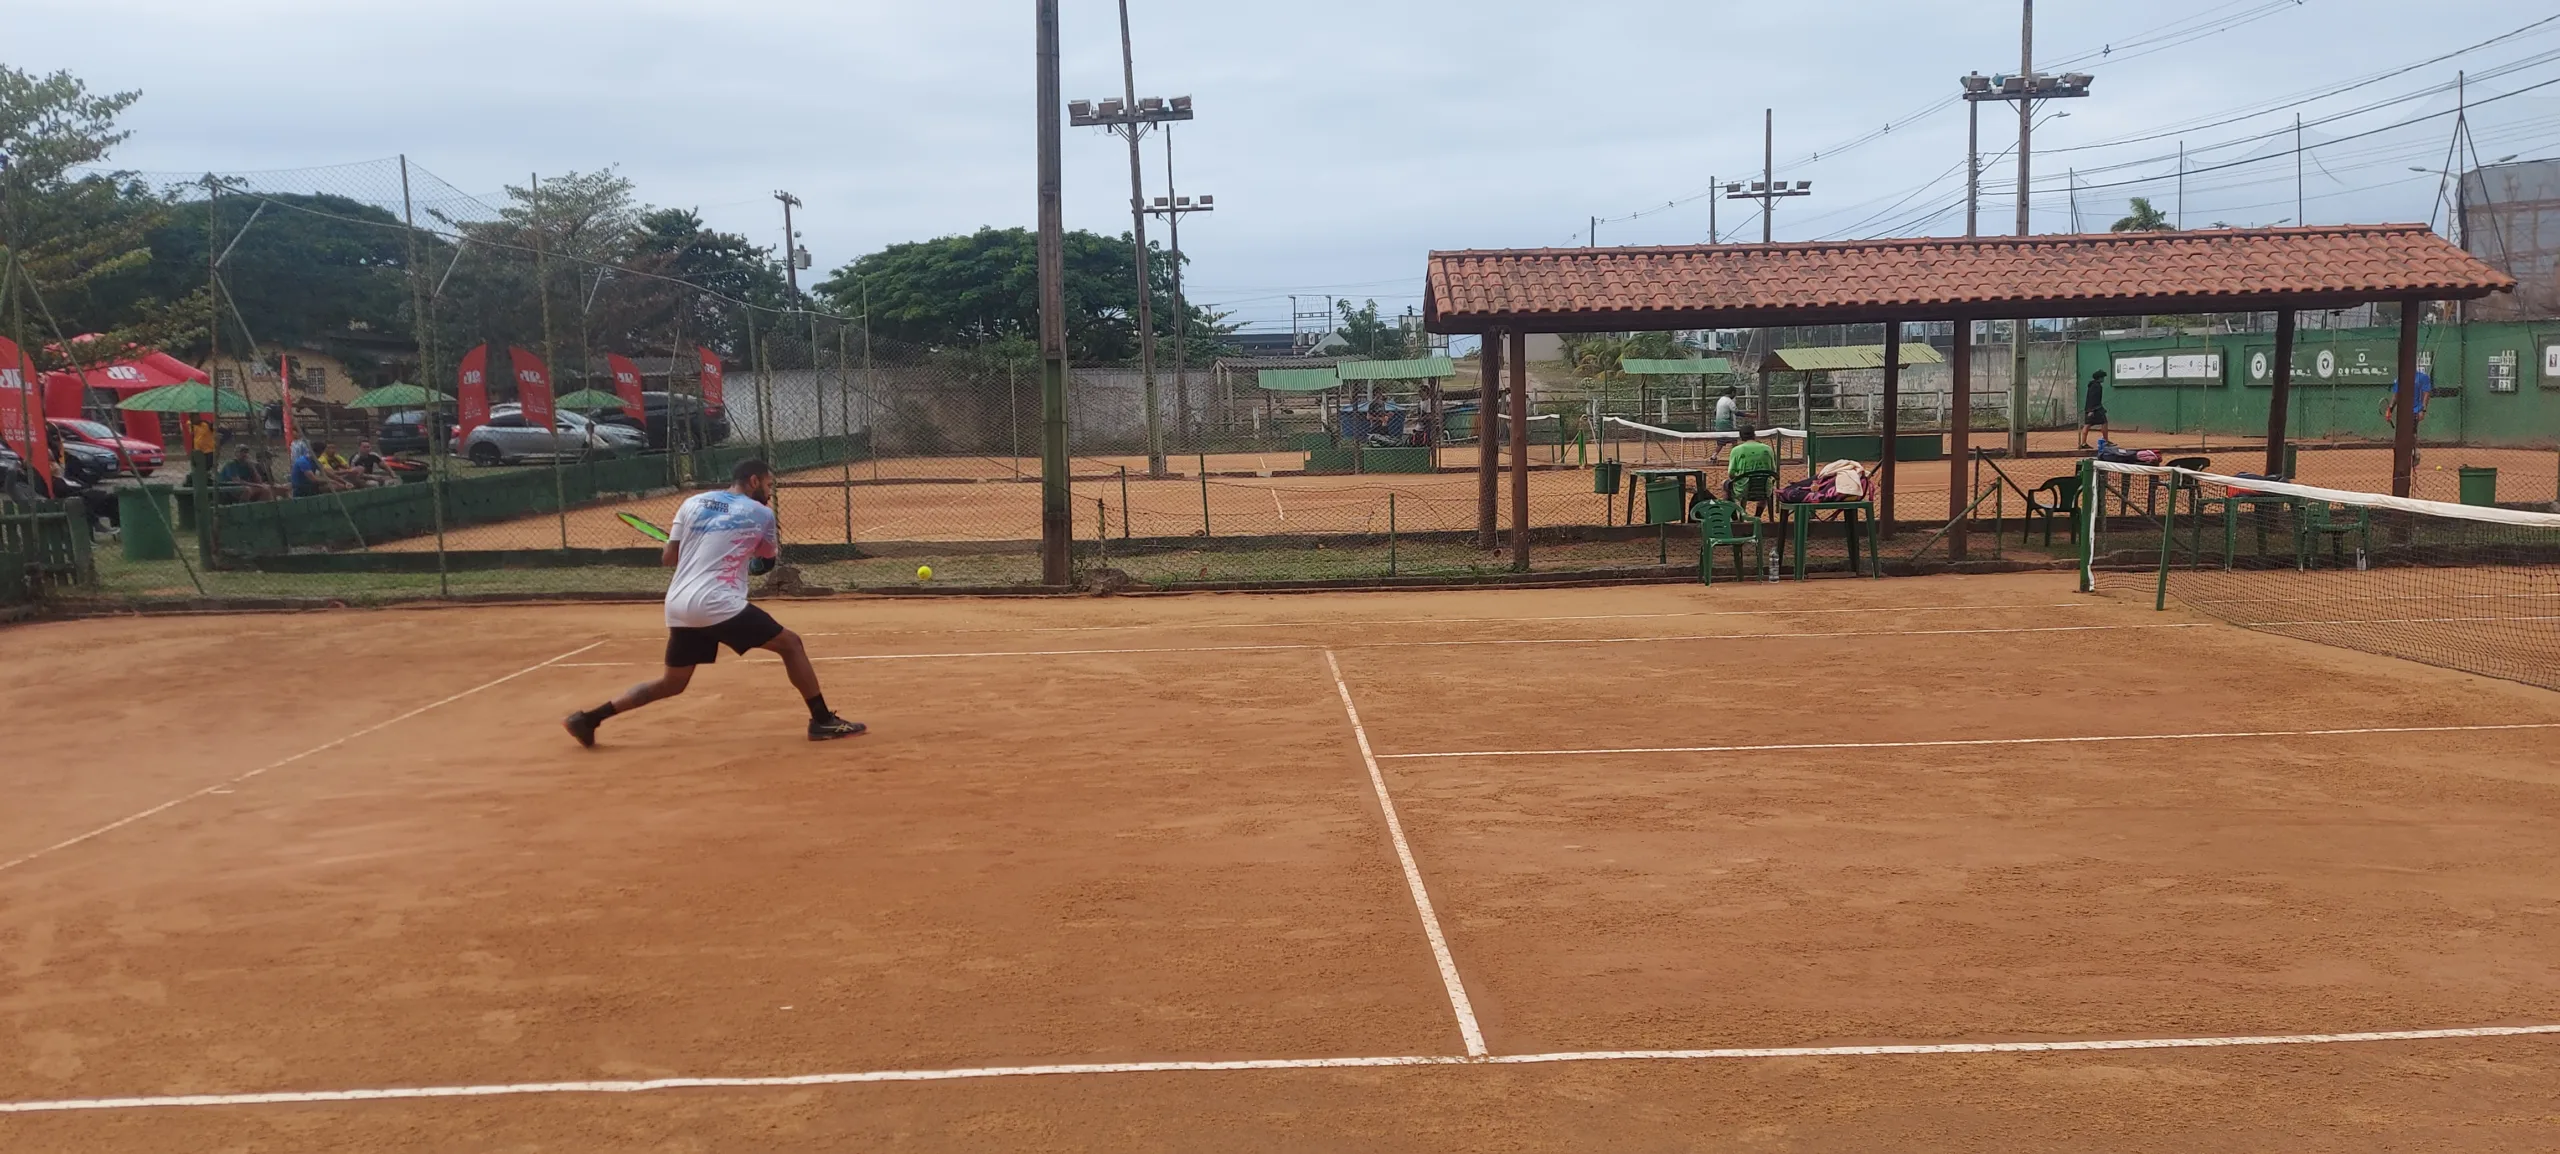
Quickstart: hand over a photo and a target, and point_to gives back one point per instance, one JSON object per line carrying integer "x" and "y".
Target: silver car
{"x": 507, "y": 439}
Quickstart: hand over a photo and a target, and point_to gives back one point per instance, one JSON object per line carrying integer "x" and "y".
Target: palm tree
{"x": 2144, "y": 219}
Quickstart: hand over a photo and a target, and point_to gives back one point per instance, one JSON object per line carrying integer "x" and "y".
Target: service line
{"x": 280, "y": 763}
{"x": 868, "y": 1077}
{"x": 1974, "y": 741}
{"x": 1464, "y": 644}
{"x": 1361, "y": 621}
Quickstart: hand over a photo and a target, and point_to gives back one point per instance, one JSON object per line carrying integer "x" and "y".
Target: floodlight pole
{"x": 1055, "y": 527}
{"x": 1173, "y": 207}
{"x": 2024, "y": 89}
{"x": 1138, "y": 238}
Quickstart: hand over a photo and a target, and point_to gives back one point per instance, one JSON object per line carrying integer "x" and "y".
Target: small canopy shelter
{"x": 142, "y": 370}
{"x": 1824, "y": 359}
{"x": 1425, "y": 373}
{"x": 1510, "y": 293}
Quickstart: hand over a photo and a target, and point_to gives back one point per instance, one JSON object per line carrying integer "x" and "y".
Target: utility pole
{"x": 1711, "y": 212}
{"x": 1055, "y": 528}
{"x": 1131, "y": 117}
{"x": 1973, "y": 162}
{"x": 1594, "y": 242}
{"x": 1768, "y": 189}
{"x": 2298, "y": 216}
{"x": 2023, "y": 89}
{"x": 1173, "y": 207}
{"x": 794, "y": 258}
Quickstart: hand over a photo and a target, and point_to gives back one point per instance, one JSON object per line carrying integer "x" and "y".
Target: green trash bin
{"x": 2479, "y": 486}
{"x": 142, "y": 513}
{"x": 1604, "y": 478}
{"x": 1664, "y": 500}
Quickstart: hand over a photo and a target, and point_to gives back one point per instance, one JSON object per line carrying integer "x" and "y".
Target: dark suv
{"x": 702, "y": 424}
{"x": 406, "y": 432}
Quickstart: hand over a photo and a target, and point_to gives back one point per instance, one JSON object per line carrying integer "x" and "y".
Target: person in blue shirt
{"x": 2391, "y": 400}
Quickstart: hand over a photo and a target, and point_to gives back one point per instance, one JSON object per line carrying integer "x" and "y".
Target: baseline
{"x": 280, "y": 763}
{"x": 1450, "y": 620}
{"x": 301, "y": 1097}
{"x": 1973, "y": 741}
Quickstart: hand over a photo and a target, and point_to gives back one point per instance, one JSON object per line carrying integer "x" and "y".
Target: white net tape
{"x": 2445, "y": 509}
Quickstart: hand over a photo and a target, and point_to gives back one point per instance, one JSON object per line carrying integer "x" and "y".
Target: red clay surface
{"x": 1166, "y": 847}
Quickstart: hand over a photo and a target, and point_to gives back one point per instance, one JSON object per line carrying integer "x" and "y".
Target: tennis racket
{"x": 646, "y": 529}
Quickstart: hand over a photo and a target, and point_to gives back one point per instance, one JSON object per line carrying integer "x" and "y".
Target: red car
{"x": 140, "y": 456}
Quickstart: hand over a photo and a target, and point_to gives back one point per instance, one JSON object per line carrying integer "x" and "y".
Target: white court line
{"x": 1458, "y": 1003}
{"x": 866, "y": 1077}
{"x": 223, "y": 786}
{"x": 2130, "y": 737}
{"x": 1363, "y": 621}
{"x": 1472, "y": 643}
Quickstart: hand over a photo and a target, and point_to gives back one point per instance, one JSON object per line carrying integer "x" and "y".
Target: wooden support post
{"x": 2404, "y": 435}
{"x": 2280, "y": 397}
{"x": 1520, "y": 452}
{"x": 1488, "y": 459}
{"x": 1892, "y": 423}
{"x": 1959, "y": 438}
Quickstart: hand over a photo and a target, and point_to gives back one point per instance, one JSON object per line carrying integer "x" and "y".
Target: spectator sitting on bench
{"x": 368, "y": 470}
{"x": 309, "y": 478}
{"x": 241, "y": 480}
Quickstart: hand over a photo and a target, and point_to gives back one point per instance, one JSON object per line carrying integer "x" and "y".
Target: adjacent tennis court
{"x": 1946, "y": 861}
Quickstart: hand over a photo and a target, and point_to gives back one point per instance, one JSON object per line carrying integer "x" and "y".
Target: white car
{"x": 508, "y": 440}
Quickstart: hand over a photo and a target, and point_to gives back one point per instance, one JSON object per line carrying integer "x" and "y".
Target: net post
{"x": 2168, "y": 540}
{"x": 1391, "y": 532}
{"x": 2088, "y": 470}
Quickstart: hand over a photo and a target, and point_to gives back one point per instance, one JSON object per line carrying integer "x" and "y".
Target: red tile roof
{"x": 2108, "y": 274}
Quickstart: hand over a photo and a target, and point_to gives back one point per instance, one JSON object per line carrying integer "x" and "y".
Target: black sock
{"x": 597, "y": 715}
{"x": 818, "y": 710}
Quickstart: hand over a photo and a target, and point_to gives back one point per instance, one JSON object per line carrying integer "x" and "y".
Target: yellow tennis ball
{"x": 924, "y": 572}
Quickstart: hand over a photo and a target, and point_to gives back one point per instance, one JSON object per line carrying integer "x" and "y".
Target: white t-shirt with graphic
{"x": 716, "y": 533}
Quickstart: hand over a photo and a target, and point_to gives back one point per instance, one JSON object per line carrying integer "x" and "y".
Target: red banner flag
{"x": 533, "y": 389}
{"x": 22, "y": 414}
{"x": 711, "y": 377}
{"x": 626, "y": 384}
{"x": 474, "y": 391}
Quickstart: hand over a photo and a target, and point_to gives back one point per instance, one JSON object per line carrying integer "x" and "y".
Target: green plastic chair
{"x": 1725, "y": 524}
{"x": 2064, "y": 502}
{"x": 2317, "y": 519}
{"x": 1756, "y": 490}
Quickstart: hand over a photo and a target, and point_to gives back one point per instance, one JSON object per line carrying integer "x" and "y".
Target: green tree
{"x": 962, "y": 291}
{"x": 2143, "y": 218}
{"x": 1366, "y": 334}
{"x": 300, "y": 268}
{"x": 67, "y": 234}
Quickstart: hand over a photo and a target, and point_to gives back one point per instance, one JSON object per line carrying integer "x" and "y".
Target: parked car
{"x": 507, "y": 439}
{"x": 145, "y": 456}
{"x": 86, "y": 463}
{"x": 406, "y": 432}
{"x": 702, "y": 424}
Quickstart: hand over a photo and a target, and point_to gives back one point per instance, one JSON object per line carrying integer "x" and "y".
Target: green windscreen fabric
{"x": 1683, "y": 367}
{"x": 1299, "y": 380}
{"x": 1426, "y": 369}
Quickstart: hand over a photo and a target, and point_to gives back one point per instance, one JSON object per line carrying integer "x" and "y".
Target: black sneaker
{"x": 832, "y": 727}
{"x": 582, "y": 727}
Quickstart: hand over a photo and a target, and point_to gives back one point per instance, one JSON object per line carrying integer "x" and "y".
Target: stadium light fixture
{"x": 1115, "y": 114}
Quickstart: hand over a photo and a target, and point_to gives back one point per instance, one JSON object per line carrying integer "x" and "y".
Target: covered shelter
{"x": 1503, "y": 295}
{"x": 1823, "y": 360}
{"x": 68, "y": 393}
{"x": 1649, "y": 372}
{"x": 1424, "y": 373}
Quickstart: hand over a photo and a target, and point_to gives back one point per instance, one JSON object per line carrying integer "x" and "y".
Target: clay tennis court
{"x": 1959, "y": 862}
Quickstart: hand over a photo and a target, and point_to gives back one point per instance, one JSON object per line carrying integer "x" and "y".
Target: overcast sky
{"x": 1344, "y": 140}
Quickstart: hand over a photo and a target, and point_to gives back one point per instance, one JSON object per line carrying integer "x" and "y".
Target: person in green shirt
{"x": 1750, "y": 455}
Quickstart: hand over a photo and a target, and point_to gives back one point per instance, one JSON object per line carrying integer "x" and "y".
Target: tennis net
{"x": 2458, "y": 586}
{"x": 1655, "y": 445}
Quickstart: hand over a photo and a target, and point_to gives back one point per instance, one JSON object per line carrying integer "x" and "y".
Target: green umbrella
{"x": 187, "y": 398}
{"x": 400, "y": 396}
{"x": 589, "y": 399}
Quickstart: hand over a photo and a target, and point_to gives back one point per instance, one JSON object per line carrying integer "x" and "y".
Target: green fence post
{"x": 1391, "y": 532}
{"x": 1124, "y": 501}
{"x": 1204, "y": 506}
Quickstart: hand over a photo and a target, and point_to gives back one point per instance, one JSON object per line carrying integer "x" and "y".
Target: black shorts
{"x": 750, "y": 629}
{"x": 2092, "y": 418}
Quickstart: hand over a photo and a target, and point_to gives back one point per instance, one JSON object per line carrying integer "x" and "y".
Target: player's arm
{"x": 668, "y": 556}
{"x": 674, "y": 550}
